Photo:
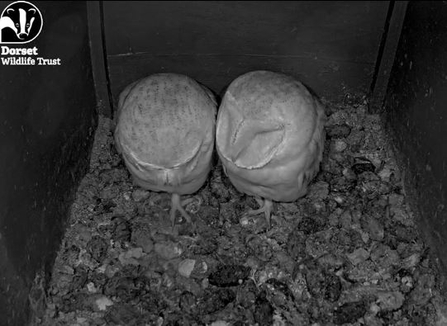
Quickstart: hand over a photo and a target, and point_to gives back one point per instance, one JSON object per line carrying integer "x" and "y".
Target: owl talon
{"x": 176, "y": 205}
{"x": 187, "y": 201}
{"x": 266, "y": 208}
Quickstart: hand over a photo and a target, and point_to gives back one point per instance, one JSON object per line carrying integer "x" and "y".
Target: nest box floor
{"x": 348, "y": 253}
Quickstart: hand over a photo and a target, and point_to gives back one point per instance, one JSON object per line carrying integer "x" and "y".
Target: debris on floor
{"x": 348, "y": 253}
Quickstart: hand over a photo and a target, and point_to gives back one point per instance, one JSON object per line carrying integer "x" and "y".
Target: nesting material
{"x": 347, "y": 253}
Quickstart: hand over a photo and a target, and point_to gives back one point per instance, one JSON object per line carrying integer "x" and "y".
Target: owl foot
{"x": 176, "y": 205}
{"x": 266, "y": 207}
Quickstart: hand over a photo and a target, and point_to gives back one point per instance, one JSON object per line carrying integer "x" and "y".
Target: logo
{"x": 21, "y": 22}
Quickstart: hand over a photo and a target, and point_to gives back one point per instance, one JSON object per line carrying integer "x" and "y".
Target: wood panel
{"x": 100, "y": 72}
{"x": 386, "y": 57}
{"x": 332, "y": 46}
{"x": 47, "y": 120}
{"x": 218, "y": 71}
{"x": 416, "y": 114}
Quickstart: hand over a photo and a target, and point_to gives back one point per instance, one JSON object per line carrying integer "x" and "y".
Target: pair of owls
{"x": 269, "y": 136}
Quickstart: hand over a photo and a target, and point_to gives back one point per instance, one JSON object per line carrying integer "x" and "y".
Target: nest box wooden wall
{"x": 332, "y": 46}
{"x": 47, "y": 117}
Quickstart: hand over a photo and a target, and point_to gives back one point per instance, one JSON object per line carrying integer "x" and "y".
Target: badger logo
{"x": 20, "y": 22}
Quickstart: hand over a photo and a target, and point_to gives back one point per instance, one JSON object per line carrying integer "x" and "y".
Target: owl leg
{"x": 176, "y": 205}
{"x": 266, "y": 208}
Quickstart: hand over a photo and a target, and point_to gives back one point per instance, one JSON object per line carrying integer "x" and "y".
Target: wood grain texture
{"x": 332, "y": 45}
